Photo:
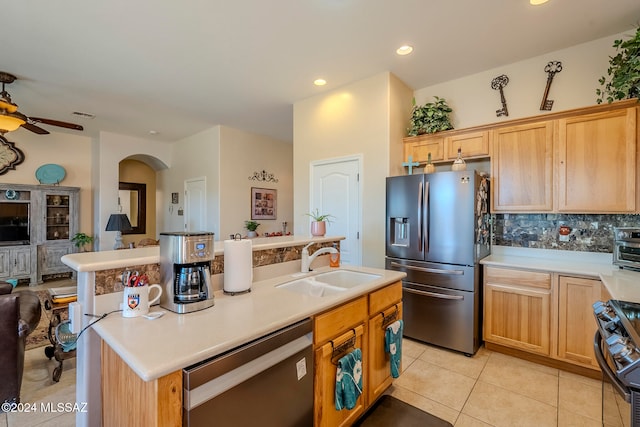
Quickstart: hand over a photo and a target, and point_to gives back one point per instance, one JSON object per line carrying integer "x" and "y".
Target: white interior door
{"x": 335, "y": 190}
{"x": 195, "y": 204}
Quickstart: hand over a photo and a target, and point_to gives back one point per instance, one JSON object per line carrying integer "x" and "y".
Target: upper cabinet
{"x": 443, "y": 146}
{"x": 597, "y": 162}
{"x": 522, "y": 168}
{"x": 580, "y": 161}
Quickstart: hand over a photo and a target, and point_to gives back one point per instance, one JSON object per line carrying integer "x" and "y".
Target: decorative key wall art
{"x": 499, "y": 83}
{"x": 552, "y": 68}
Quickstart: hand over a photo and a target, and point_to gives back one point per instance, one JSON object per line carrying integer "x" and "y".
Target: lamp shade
{"x": 10, "y": 121}
{"x": 118, "y": 222}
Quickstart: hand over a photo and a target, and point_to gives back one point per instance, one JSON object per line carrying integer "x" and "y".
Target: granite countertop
{"x": 154, "y": 348}
{"x": 621, "y": 284}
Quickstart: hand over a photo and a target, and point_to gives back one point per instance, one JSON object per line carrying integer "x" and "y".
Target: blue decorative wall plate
{"x": 50, "y": 174}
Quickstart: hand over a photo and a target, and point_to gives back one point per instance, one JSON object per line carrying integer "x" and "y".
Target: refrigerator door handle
{"x": 433, "y": 294}
{"x": 420, "y": 203}
{"x": 426, "y": 270}
{"x": 425, "y": 219}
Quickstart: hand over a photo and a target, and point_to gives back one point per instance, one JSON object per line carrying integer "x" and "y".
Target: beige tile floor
{"x": 488, "y": 389}
{"x": 492, "y": 389}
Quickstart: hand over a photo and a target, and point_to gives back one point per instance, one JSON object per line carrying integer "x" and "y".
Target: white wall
{"x": 241, "y": 154}
{"x": 354, "y": 119}
{"x": 110, "y": 150}
{"x": 475, "y": 103}
{"x": 72, "y": 152}
{"x": 197, "y": 156}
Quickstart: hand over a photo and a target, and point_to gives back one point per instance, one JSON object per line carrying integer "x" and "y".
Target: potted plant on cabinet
{"x": 81, "y": 240}
{"x": 251, "y": 227}
{"x": 624, "y": 71}
{"x": 319, "y": 223}
{"x": 432, "y": 117}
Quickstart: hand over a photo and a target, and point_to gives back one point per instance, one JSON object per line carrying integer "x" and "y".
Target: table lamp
{"x": 118, "y": 223}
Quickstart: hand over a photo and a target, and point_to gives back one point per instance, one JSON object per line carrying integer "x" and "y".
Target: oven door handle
{"x": 606, "y": 370}
{"x": 433, "y": 294}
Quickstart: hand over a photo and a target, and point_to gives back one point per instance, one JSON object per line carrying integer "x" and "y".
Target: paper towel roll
{"x": 238, "y": 266}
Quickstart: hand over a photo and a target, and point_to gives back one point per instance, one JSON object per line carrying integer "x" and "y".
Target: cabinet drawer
{"x": 506, "y": 276}
{"x": 385, "y": 297}
{"x": 338, "y": 320}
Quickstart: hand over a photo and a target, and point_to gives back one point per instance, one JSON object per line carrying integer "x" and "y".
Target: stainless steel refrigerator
{"x": 437, "y": 231}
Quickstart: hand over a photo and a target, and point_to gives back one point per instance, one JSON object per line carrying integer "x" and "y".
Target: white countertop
{"x": 154, "y": 348}
{"x": 621, "y": 284}
{"x": 104, "y": 260}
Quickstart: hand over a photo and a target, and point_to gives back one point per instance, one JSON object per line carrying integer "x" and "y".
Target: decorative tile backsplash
{"x": 588, "y": 233}
{"x": 108, "y": 281}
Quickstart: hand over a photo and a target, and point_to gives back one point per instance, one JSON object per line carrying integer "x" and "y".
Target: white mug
{"x": 136, "y": 300}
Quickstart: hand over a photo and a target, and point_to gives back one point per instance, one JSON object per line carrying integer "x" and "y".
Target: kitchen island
{"x": 155, "y": 349}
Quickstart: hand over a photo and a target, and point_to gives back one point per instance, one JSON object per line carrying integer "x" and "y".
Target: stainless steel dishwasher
{"x": 266, "y": 382}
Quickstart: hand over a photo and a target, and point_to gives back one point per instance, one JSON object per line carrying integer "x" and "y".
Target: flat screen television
{"x": 14, "y": 223}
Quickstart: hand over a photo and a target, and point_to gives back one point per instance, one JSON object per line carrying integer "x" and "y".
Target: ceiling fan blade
{"x": 56, "y": 123}
{"x": 35, "y": 129}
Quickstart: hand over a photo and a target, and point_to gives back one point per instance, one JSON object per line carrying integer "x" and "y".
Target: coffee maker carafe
{"x": 185, "y": 263}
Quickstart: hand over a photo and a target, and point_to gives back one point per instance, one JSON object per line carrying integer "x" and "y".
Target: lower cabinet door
{"x": 326, "y": 359}
{"x": 518, "y": 317}
{"x": 379, "y": 368}
{"x": 575, "y": 319}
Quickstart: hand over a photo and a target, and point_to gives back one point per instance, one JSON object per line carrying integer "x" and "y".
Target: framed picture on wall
{"x": 263, "y": 203}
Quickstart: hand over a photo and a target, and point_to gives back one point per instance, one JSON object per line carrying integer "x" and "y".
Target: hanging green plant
{"x": 432, "y": 117}
{"x": 623, "y": 73}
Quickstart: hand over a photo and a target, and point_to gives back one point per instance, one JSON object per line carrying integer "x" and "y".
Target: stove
{"x": 617, "y": 350}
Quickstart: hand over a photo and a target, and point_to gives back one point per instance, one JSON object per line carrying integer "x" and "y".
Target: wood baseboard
{"x": 546, "y": 361}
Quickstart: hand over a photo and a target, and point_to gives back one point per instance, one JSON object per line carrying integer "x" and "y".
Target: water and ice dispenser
{"x": 400, "y": 232}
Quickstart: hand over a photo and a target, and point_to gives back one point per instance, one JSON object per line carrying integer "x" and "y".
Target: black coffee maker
{"x": 185, "y": 263}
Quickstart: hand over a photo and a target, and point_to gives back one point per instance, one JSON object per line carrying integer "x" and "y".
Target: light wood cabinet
{"x": 443, "y": 146}
{"x": 542, "y": 313}
{"x": 344, "y": 327}
{"x": 581, "y": 161}
{"x": 471, "y": 144}
{"x": 419, "y": 148}
{"x": 597, "y": 162}
{"x": 156, "y": 403}
{"x": 522, "y": 168}
{"x": 576, "y": 325}
{"x": 517, "y": 309}
{"x": 385, "y": 307}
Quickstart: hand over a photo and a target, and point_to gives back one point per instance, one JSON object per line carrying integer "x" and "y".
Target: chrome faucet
{"x": 307, "y": 259}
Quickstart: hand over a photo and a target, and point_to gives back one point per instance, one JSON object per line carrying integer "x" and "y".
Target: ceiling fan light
{"x": 10, "y": 122}
{"x": 8, "y": 106}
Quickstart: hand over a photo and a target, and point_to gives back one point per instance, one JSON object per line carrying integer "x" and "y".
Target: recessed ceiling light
{"x": 404, "y": 50}
{"x": 319, "y": 82}
{"x": 153, "y": 132}
{"x": 537, "y": 2}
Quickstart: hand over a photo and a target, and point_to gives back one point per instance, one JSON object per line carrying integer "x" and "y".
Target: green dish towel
{"x": 349, "y": 380}
{"x": 393, "y": 346}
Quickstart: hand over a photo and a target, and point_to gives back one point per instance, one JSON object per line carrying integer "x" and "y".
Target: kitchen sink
{"x": 346, "y": 278}
{"x": 329, "y": 283}
{"x": 311, "y": 286}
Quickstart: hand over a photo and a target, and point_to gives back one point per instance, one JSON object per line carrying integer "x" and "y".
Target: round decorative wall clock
{"x": 10, "y": 156}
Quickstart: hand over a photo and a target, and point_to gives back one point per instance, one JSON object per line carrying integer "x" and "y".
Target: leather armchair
{"x": 20, "y": 313}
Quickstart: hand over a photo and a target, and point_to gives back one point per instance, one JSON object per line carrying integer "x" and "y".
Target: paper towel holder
{"x": 236, "y": 238}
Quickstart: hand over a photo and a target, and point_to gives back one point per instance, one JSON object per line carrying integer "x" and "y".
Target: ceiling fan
{"x": 11, "y": 119}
